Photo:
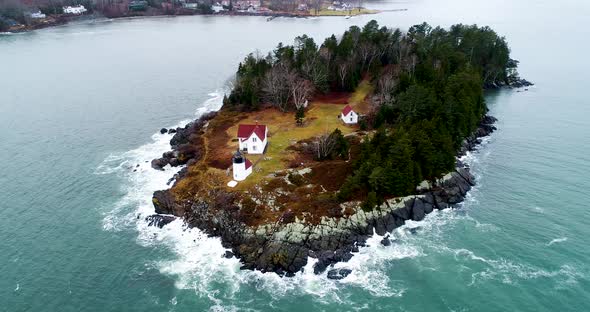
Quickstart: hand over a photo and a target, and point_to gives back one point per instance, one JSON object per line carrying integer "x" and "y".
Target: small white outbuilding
{"x": 349, "y": 116}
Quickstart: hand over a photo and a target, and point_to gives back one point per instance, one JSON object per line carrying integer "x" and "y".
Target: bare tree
{"x": 367, "y": 53}
{"x": 276, "y": 86}
{"x": 385, "y": 86}
{"x": 317, "y": 6}
{"x": 316, "y": 70}
{"x": 325, "y": 55}
{"x": 325, "y": 145}
{"x": 301, "y": 90}
{"x": 342, "y": 72}
{"x": 403, "y": 49}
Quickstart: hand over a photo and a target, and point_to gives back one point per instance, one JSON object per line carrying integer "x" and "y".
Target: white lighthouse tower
{"x": 242, "y": 167}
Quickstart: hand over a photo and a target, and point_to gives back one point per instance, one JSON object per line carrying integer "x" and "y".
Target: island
{"x": 319, "y": 147}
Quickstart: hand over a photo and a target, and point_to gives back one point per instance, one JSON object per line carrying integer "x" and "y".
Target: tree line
{"x": 428, "y": 94}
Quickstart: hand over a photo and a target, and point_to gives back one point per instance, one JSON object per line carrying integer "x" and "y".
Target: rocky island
{"x": 364, "y": 132}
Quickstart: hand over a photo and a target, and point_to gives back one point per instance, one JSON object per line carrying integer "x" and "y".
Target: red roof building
{"x": 349, "y": 116}
{"x": 245, "y": 131}
{"x": 252, "y": 138}
{"x": 347, "y": 109}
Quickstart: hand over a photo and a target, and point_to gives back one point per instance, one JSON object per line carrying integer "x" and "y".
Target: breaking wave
{"x": 557, "y": 240}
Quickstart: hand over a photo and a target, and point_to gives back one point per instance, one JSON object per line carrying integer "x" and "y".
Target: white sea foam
{"x": 135, "y": 167}
{"x": 557, "y": 240}
{"x": 510, "y": 272}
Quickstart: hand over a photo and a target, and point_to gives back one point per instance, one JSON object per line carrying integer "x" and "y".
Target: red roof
{"x": 248, "y": 164}
{"x": 245, "y": 131}
{"x": 347, "y": 109}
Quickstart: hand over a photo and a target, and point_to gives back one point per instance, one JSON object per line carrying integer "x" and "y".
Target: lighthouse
{"x": 242, "y": 167}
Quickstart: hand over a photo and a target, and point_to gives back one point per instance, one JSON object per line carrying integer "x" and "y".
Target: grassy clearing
{"x": 220, "y": 140}
{"x": 311, "y": 199}
{"x": 358, "y": 98}
{"x": 283, "y": 132}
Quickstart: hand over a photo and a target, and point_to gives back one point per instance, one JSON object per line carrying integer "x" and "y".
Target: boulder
{"x": 418, "y": 212}
{"x": 338, "y": 274}
{"x": 163, "y": 202}
{"x": 159, "y": 163}
{"x": 159, "y": 220}
{"x": 174, "y": 162}
{"x": 168, "y": 155}
{"x": 163, "y": 130}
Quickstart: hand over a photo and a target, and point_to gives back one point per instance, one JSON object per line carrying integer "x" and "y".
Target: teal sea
{"x": 81, "y": 106}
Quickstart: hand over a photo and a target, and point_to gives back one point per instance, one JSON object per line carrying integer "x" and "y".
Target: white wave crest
{"x": 557, "y": 240}
{"x": 509, "y": 272}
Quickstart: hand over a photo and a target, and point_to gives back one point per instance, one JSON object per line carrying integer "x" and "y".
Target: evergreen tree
{"x": 299, "y": 116}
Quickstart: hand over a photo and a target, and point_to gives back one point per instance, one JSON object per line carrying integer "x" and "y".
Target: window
{"x": 253, "y": 147}
{"x": 350, "y": 119}
{"x": 253, "y": 139}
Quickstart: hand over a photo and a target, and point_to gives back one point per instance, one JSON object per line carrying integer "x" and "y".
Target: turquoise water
{"x": 80, "y": 107}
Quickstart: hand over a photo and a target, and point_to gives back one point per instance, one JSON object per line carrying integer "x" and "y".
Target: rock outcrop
{"x": 159, "y": 220}
{"x": 284, "y": 248}
{"x": 186, "y": 144}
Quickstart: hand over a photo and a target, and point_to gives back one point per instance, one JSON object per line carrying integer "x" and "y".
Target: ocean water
{"x": 80, "y": 110}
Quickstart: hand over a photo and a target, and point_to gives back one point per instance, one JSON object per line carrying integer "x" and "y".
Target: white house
{"x": 190, "y": 5}
{"x": 79, "y": 9}
{"x": 242, "y": 167}
{"x": 38, "y": 14}
{"x": 217, "y": 7}
{"x": 252, "y": 138}
{"x": 348, "y": 115}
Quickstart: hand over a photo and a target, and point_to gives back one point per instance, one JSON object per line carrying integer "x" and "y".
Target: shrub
{"x": 296, "y": 179}
{"x": 371, "y": 201}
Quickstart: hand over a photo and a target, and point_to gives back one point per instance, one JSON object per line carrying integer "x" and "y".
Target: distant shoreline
{"x": 53, "y": 21}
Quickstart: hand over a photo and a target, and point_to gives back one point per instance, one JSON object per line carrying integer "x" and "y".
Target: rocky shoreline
{"x": 284, "y": 247}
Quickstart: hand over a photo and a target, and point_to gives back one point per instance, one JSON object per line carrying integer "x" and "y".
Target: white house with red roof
{"x": 349, "y": 116}
{"x": 252, "y": 138}
{"x": 241, "y": 166}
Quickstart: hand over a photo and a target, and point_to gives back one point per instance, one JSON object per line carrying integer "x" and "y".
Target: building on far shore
{"x": 217, "y": 7}
{"x": 241, "y": 166}
{"x": 37, "y": 15}
{"x": 252, "y": 139}
{"x": 138, "y": 5}
{"x": 76, "y": 10}
{"x": 349, "y": 116}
